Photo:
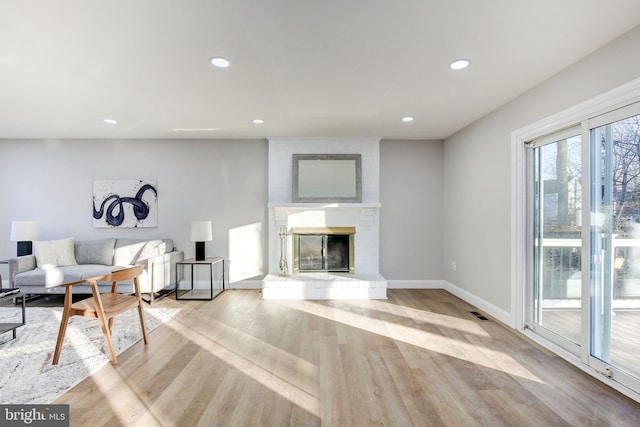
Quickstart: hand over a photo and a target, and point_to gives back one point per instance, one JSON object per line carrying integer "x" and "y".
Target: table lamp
{"x": 24, "y": 232}
{"x": 200, "y": 233}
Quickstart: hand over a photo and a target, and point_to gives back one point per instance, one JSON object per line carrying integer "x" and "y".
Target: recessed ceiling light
{"x": 407, "y": 119}
{"x": 220, "y": 62}
{"x": 110, "y": 121}
{"x": 258, "y": 121}
{"x": 459, "y": 64}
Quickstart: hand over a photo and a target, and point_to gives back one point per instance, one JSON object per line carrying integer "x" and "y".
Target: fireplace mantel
{"x": 363, "y": 213}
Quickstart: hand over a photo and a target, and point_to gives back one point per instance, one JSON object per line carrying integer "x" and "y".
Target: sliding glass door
{"x": 583, "y": 292}
{"x": 615, "y": 243}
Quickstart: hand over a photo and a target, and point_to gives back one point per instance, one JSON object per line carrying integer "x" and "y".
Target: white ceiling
{"x": 307, "y": 67}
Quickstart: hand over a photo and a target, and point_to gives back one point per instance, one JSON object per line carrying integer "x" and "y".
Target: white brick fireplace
{"x": 366, "y": 281}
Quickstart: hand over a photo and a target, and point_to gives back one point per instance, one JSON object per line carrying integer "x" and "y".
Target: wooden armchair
{"x": 103, "y": 307}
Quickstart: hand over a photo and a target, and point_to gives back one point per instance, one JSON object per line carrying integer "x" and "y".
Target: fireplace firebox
{"x": 328, "y": 249}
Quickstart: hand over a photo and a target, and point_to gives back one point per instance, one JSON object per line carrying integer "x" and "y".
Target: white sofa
{"x": 66, "y": 260}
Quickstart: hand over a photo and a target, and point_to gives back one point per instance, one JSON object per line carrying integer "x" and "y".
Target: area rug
{"x": 27, "y": 375}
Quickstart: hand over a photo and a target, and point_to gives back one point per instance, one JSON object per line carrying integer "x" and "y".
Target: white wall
{"x": 281, "y": 151}
{"x": 477, "y": 169}
{"x": 224, "y": 181}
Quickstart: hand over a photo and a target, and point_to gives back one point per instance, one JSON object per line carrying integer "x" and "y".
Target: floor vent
{"x": 480, "y": 316}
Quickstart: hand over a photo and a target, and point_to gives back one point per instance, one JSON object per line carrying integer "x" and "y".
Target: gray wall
{"x": 51, "y": 181}
{"x": 477, "y": 199}
{"x": 221, "y": 180}
{"x": 411, "y": 213}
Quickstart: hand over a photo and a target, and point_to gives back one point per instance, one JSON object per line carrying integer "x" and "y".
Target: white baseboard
{"x": 492, "y": 310}
{"x": 415, "y": 284}
{"x": 245, "y": 284}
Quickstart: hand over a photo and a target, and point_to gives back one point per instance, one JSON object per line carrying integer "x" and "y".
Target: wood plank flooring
{"x": 417, "y": 359}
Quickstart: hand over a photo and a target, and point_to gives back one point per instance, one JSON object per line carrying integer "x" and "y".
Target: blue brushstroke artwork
{"x": 125, "y": 204}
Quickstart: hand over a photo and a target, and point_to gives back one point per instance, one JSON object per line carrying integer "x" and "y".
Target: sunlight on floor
{"x": 295, "y": 378}
{"x": 297, "y": 383}
{"x": 430, "y": 341}
{"x": 462, "y": 325}
{"x": 114, "y": 385}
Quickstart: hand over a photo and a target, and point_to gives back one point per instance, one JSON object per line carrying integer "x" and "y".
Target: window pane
{"x": 558, "y": 238}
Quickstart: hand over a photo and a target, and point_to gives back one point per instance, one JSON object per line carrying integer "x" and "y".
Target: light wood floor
{"x": 416, "y": 359}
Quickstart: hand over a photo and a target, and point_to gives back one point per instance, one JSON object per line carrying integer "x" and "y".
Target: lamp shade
{"x": 201, "y": 231}
{"x": 24, "y": 231}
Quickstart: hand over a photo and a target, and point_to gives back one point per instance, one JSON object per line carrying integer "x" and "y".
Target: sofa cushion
{"x": 53, "y": 253}
{"x": 95, "y": 251}
{"x": 54, "y": 276}
{"x": 127, "y": 250}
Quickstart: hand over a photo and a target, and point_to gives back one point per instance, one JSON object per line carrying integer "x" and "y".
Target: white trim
{"x": 614, "y": 116}
{"x": 518, "y": 230}
{"x": 492, "y": 310}
{"x": 246, "y": 284}
{"x": 415, "y": 284}
{"x": 615, "y": 98}
{"x": 585, "y": 352}
{"x": 555, "y": 136}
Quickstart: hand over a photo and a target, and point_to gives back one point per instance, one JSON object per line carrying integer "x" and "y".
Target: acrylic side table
{"x": 191, "y": 292}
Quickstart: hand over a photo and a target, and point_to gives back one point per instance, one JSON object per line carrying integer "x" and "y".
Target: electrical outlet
{"x": 453, "y": 266}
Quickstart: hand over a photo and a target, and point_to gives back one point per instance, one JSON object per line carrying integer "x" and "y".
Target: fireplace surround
{"x": 298, "y": 216}
{"x": 286, "y": 219}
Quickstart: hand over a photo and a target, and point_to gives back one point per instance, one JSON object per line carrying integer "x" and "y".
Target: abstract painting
{"x": 125, "y": 204}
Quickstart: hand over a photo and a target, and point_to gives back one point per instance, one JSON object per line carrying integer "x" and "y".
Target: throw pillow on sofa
{"x": 54, "y": 253}
{"x": 95, "y": 251}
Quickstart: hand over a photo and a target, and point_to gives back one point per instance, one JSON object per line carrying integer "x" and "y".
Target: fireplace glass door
{"x": 323, "y": 252}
